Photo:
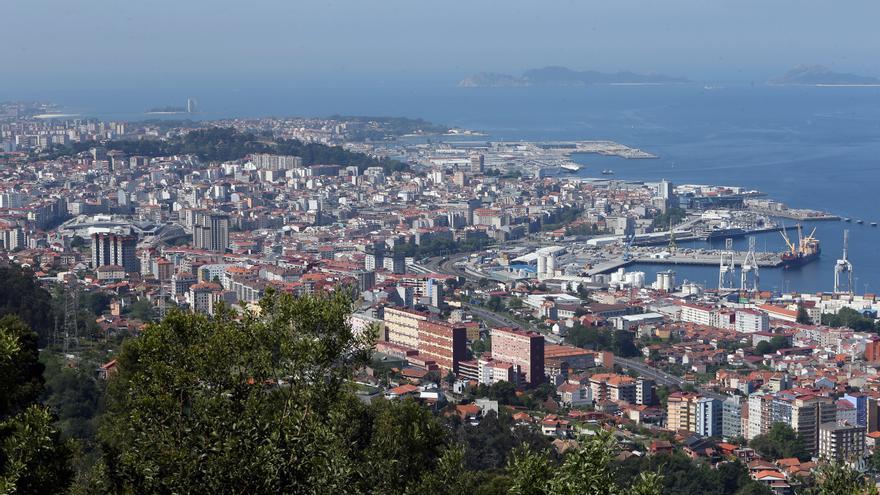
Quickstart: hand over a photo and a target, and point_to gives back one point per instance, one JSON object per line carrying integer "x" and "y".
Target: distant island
{"x": 816, "y": 75}
{"x": 563, "y": 76}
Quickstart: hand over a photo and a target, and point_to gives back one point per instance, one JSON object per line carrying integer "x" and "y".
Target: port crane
{"x": 749, "y": 269}
{"x": 627, "y": 256}
{"x": 843, "y": 270}
{"x": 726, "y": 267}
{"x": 784, "y": 234}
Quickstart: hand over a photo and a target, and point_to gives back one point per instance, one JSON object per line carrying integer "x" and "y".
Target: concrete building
{"x": 843, "y": 443}
{"x": 402, "y": 326}
{"x": 276, "y": 162}
{"x": 804, "y": 413}
{"x": 708, "y": 417}
{"x": 211, "y": 232}
{"x": 203, "y": 296}
{"x": 115, "y": 249}
{"x": 613, "y": 387}
{"x": 645, "y": 391}
{"x": 731, "y": 417}
{"x": 524, "y": 350}
{"x": 443, "y": 343}
{"x": 751, "y": 321}
{"x": 681, "y": 411}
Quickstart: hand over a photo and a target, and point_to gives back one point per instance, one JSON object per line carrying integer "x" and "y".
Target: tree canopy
{"x": 780, "y": 442}
{"x": 33, "y": 459}
{"x": 226, "y": 143}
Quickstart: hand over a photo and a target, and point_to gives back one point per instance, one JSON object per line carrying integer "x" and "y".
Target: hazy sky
{"x": 56, "y": 44}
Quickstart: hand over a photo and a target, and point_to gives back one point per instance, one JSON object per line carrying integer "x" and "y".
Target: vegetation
{"x": 562, "y": 218}
{"x": 588, "y": 469}
{"x": 802, "y": 316}
{"x": 33, "y": 458}
{"x": 771, "y": 346}
{"x": 779, "y": 443}
{"x": 584, "y": 228}
{"x": 224, "y": 144}
{"x": 620, "y": 342}
{"x": 388, "y": 127}
{"x": 682, "y": 476}
{"x": 848, "y": 317}
{"x": 836, "y": 479}
{"x": 21, "y": 296}
{"x": 672, "y": 216}
{"x": 264, "y": 403}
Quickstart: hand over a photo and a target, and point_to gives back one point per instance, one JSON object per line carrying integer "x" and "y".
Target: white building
{"x": 751, "y": 321}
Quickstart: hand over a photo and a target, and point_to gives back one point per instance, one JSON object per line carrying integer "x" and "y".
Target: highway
{"x": 661, "y": 377}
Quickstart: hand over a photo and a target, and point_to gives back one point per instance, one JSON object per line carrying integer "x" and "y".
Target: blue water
{"x": 806, "y": 146}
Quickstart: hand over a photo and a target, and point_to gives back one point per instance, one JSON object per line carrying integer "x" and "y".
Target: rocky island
{"x": 563, "y": 76}
{"x": 817, "y": 75}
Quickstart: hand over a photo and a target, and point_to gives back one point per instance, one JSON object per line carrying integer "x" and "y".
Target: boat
{"x": 608, "y": 172}
{"x": 859, "y": 222}
{"x": 873, "y": 224}
{"x": 807, "y": 250}
{"x": 846, "y": 219}
{"x": 570, "y": 167}
{"x": 724, "y": 232}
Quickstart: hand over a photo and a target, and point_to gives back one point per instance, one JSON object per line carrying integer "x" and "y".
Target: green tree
{"x": 449, "y": 477}
{"x": 143, "y": 310}
{"x": 494, "y": 303}
{"x": 33, "y": 459}
{"x": 529, "y": 471}
{"x": 480, "y": 346}
{"x": 21, "y": 296}
{"x": 755, "y": 489}
{"x": 591, "y": 468}
{"x": 21, "y": 374}
{"x": 405, "y": 441}
{"x": 837, "y": 479}
{"x": 802, "y": 316}
{"x": 75, "y": 395}
{"x": 257, "y": 402}
{"x": 780, "y": 442}
{"x": 490, "y": 442}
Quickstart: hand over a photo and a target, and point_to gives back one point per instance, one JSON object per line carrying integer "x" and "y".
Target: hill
{"x": 818, "y": 75}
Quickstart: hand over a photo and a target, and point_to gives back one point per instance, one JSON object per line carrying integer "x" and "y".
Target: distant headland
{"x": 563, "y": 76}
{"x": 816, "y": 75}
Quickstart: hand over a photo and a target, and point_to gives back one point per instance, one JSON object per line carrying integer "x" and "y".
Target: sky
{"x": 114, "y": 44}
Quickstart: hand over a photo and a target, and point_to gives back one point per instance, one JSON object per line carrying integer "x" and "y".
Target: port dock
{"x": 765, "y": 260}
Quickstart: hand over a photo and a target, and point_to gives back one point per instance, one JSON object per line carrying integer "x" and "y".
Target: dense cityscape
{"x": 340, "y": 247}
{"x": 490, "y": 282}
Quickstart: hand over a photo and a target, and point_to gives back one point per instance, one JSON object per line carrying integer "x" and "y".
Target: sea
{"x": 807, "y": 146}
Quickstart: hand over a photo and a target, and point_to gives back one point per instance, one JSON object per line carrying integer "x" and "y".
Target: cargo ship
{"x": 806, "y": 250}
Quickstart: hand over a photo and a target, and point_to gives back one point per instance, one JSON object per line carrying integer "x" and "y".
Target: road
{"x": 661, "y": 377}
{"x": 448, "y": 267}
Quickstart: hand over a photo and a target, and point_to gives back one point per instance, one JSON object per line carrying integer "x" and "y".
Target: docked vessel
{"x": 806, "y": 250}
{"x": 724, "y": 232}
